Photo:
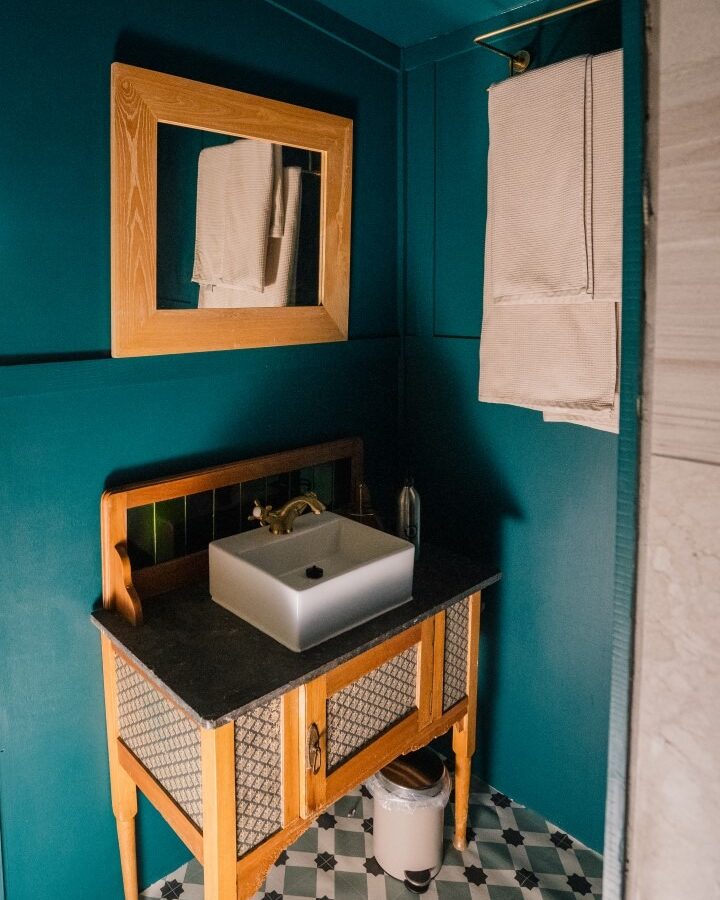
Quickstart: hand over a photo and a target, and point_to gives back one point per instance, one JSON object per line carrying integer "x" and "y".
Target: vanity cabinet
{"x": 241, "y": 743}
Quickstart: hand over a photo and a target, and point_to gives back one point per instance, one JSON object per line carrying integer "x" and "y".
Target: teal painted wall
{"x": 538, "y": 497}
{"x": 74, "y": 421}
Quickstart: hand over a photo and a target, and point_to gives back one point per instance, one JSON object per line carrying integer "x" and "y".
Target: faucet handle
{"x": 259, "y": 513}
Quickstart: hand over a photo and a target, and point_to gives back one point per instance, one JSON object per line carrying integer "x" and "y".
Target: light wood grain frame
{"x": 318, "y": 789}
{"x": 140, "y": 100}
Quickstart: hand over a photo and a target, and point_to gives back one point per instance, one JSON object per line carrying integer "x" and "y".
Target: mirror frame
{"x": 140, "y": 99}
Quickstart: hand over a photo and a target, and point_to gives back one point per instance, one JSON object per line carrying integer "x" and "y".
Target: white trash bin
{"x": 410, "y": 796}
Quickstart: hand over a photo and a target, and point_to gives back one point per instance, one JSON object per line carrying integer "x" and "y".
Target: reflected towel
{"x": 239, "y": 206}
{"x": 277, "y": 227}
{"x": 281, "y": 261}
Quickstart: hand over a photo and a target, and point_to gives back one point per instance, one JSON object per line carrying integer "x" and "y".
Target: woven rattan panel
{"x": 258, "y": 775}
{"x": 364, "y": 709}
{"x": 456, "y": 654}
{"x": 165, "y": 741}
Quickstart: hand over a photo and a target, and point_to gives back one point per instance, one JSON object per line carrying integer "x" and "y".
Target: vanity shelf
{"x": 240, "y": 743}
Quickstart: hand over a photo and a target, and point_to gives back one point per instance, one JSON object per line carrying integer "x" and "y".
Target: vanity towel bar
{"x": 521, "y": 60}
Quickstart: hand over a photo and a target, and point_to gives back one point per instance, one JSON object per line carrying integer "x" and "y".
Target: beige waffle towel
{"x": 280, "y": 264}
{"x": 557, "y": 356}
{"x": 538, "y": 183}
{"x": 607, "y": 144}
{"x": 607, "y": 174}
{"x": 556, "y": 182}
{"x": 239, "y": 207}
{"x": 561, "y": 356}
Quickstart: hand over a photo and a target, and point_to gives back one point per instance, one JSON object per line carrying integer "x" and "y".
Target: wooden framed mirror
{"x": 230, "y": 218}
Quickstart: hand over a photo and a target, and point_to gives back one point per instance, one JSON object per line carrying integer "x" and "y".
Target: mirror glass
{"x": 238, "y": 222}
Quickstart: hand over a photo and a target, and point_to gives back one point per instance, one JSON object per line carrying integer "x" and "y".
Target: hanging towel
{"x": 607, "y": 216}
{"x": 549, "y": 356}
{"x": 239, "y": 205}
{"x": 607, "y": 174}
{"x": 280, "y": 264}
{"x": 278, "y": 212}
{"x": 556, "y": 180}
{"x": 601, "y": 419}
{"x": 559, "y": 355}
{"x": 538, "y": 184}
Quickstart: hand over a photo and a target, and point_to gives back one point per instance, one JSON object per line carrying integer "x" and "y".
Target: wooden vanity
{"x": 241, "y": 743}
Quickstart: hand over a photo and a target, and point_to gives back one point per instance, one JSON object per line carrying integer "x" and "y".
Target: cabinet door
{"x": 362, "y": 714}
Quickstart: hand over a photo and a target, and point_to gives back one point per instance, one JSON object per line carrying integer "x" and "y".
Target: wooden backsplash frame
{"x": 123, "y": 590}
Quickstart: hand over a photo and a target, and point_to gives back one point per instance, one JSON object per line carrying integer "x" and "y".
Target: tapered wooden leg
{"x": 463, "y": 763}
{"x": 219, "y": 813}
{"x": 128, "y": 857}
{"x": 122, "y": 787}
{"x": 464, "y": 730}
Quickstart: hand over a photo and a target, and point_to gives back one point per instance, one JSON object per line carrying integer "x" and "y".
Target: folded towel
{"x": 549, "y": 356}
{"x": 607, "y": 215}
{"x": 601, "y": 419}
{"x": 538, "y": 185}
{"x": 607, "y": 174}
{"x": 560, "y": 355}
{"x": 239, "y": 205}
{"x": 278, "y": 212}
{"x": 556, "y": 181}
{"x": 280, "y": 264}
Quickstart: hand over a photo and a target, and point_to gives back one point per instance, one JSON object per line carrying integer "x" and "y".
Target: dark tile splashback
{"x": 167, "y": 530}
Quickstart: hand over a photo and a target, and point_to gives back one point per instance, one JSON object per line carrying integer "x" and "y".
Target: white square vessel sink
{"x": 262, "y": 578}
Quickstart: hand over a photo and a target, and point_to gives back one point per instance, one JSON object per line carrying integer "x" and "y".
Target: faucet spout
{"x": 281, "y": 520}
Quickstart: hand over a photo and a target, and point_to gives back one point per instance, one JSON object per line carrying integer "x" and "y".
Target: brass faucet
{"x": 281, "y": 520}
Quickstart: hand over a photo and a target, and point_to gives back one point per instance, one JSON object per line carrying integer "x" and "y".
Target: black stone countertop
{"x": 217, "y": 666}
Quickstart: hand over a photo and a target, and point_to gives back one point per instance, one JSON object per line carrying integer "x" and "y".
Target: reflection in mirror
{"x": 238, "y": 222}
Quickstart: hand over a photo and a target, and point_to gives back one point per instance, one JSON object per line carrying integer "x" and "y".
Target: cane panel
{"x": 258, "y": 775}
{"x": 165, "y": 741}
{"x": 456, "y": 654}
{"x": 363, "y": 710}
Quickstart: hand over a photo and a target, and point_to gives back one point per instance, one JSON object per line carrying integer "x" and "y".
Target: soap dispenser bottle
{"x": 408, "y": 519}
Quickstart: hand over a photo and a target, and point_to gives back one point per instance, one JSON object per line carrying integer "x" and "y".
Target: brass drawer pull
{"x": 314, "y": 749}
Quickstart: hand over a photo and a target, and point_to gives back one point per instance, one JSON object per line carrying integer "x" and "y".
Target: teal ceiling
{"x": 406, "y": 22}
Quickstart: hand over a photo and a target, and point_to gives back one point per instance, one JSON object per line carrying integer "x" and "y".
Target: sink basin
{"x": 262, "y": 577}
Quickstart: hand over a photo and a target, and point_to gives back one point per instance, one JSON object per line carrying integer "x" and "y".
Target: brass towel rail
{"x": 521, "y": 60}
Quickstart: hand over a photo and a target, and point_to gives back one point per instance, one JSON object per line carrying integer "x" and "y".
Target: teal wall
{"x": 74, "y": 421}
{"x": 541, "y": 498}
{"x": 538, "y": 497}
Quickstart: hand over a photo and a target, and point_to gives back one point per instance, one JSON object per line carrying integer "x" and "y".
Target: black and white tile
{"x": 513, "y": 854}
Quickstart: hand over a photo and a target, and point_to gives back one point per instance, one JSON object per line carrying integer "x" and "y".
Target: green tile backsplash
{"x": 167, "y": 530}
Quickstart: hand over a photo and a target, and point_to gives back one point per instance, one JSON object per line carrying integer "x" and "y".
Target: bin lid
{"x": 419, "y": 773}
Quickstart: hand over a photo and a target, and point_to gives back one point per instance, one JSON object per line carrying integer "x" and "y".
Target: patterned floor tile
{"x": 513, "y": 854}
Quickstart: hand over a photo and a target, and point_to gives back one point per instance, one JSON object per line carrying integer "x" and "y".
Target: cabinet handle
{"x": 314, "y": 749}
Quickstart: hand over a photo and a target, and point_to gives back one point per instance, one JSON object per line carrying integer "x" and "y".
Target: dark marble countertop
{"x": 217, "y": 666}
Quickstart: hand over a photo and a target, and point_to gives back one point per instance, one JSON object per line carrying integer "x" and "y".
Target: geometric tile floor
{"x": 513, "y": 854}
